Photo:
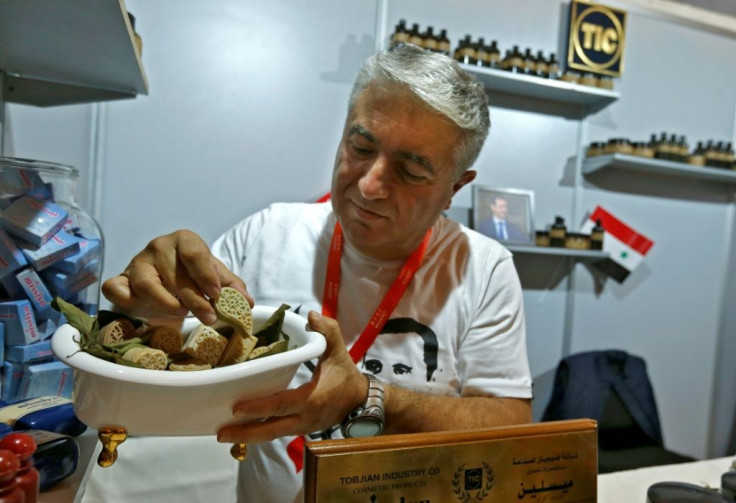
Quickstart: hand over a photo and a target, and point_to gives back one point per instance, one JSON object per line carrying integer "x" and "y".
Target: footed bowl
{"x": 178, "y": 403}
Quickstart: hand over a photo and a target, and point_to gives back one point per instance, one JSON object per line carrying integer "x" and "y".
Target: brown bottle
{"x": 467, "y": 52}
{"x": 553, "y": 67}
{"x": 697, "y": 158}
{"x": 400, "y": 35}
{"x": 530, "y": 62}
{"x": 494, "y": 55}
{"x": 558, "y": 233}
{"x": 415, "y": 37}
{"x": 443, "y": 44}
{"x": 482, "y": 58}
{"x": 541, "y": 66}
{"x": 515, "y": 61}
{"x": 596, "y": 236}
{"x": 430, "y": 40}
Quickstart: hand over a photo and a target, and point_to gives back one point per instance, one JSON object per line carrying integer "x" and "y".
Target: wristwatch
{"x": 366, "y": 420}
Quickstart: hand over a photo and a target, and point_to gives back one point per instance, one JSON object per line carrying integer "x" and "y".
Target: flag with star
{"x": 625, "y": 246}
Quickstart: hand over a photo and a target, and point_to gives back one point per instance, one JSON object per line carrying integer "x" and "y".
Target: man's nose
{"x": 374, "y": 183}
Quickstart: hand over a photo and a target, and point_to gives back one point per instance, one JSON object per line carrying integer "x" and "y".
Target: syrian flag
{"x": 625, "y": 246}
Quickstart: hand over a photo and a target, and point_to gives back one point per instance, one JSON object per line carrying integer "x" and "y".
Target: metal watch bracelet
{"x": 367, "y": 420}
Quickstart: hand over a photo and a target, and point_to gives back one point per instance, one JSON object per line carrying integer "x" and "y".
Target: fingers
{"x": 173, "y": 275}
{"x": 336, "y": 388}
{"x": 227, "y": 278}
{"x": 281, "y": 414}
{"x": 331, "y": 330}
{"x": 253, "y": 433}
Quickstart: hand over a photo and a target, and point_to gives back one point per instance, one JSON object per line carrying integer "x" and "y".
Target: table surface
{"x": 632, "y": 485}
{"x": 162, "y": 469}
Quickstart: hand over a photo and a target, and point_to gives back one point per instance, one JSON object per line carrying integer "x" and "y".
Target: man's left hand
{"x": 337, "y": 387}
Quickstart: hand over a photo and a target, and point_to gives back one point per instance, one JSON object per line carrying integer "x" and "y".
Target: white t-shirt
{"x": 458, "y": 330}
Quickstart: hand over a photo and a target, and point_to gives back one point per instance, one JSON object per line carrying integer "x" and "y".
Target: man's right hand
{"x": 173, "y": 275}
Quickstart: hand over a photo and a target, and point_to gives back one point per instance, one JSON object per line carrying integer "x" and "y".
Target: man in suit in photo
{"x": 498, "y": 226}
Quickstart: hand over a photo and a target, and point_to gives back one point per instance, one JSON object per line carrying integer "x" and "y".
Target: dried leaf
{"x": 270, "y": 332}
{"x": 76, "y": 318}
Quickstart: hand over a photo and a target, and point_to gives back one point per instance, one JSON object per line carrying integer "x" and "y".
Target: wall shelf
{"x": 656, "y": 166}
{"x": 580, "y": 255}
{"x": 546, "y": 89}
{"x": 76, "y": 51}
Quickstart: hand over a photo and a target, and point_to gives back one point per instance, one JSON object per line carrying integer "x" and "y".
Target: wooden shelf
{"x": 75, "y": 51}
{"x": 580, "y": 255}
{"x": 540, "y": 88}
{"x": 656, "y": 166}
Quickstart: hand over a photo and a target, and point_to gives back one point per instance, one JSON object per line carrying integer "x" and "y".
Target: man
{"x": 498, "y": 227}
{"x": 415, "y": 124}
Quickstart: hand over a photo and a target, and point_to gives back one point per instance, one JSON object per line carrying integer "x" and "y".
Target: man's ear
{"x": 465, "y": 178}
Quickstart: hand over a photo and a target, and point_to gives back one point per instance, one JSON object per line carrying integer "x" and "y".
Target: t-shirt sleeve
{"x": 232, "y": 246}
{"x": 492, "y": 355}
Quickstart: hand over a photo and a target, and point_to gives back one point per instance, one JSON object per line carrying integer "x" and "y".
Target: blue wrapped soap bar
{"x": 48, "y": 413}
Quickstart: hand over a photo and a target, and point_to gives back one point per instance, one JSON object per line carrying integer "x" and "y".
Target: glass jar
{"x": 49, "y": 247}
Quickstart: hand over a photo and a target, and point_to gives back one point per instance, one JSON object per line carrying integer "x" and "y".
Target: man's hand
{"x": 173, "y": 275}
{"x": 337, "y": 387}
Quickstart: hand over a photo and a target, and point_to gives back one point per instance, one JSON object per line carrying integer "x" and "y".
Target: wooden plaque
{"x": 552, "y": 461}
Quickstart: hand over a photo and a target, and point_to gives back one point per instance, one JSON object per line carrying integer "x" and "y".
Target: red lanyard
{"x": 387, "y": 305}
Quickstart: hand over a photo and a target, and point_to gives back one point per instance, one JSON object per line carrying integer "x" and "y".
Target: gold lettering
{"x": 588, "y": 29}
{"x": 610, "y": 39}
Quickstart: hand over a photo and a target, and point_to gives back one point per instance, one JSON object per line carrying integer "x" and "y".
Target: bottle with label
{"x": 596, "y": 236}
{"x": 589, "y": 79}
{"x": 541, "y": 66}
{"x": 595, "y": 148}
{"x": 443, "y": 44}
{"x": 415, "y": 37}
{"x": 466, "y": 52}
{"x": 514, "y": 61}
{"x": 27, "y": 478}
{"x": 662, "y": 150}
{"x": 400, "y": 35}
{"x": 482, "y": 56}
{"x": 494, "y": 55}
{"x": 553, "y": 67}
{"x": 558, "y": 233}
{"x": 697, "y": 158}
{"x": 605, "y": 82}
{"x": 9, "y": 467}
{"x": 571, "y": 75}
{"x": 430, "y": 40}
{"x": 530, "y": 62}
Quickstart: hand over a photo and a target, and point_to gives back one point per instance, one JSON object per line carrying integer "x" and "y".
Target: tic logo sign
{"x": 596, "y": 39}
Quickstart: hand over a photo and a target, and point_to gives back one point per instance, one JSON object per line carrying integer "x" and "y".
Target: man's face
{"x": 499, "y": 209}
{"x": 394, "y": 172}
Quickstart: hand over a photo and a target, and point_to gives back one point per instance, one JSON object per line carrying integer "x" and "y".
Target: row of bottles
{"x": 479, "y": 53}
{"x": 428, "y": 39}
{"x": 672, "y": 147}
{"x": 557, "y": 236}
{"x": 488, "y": 55}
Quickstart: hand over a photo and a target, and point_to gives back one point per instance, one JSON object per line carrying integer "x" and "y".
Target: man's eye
{"x": 408, "y": 175}
{"x": 361, "y": 150}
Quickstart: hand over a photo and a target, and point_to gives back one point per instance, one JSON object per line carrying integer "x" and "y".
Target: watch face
{"x": 363, "y": 427}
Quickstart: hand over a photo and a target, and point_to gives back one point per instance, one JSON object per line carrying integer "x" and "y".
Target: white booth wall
{"x": 246, "y": 104}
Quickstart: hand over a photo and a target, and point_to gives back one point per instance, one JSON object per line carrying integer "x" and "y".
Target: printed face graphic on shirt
{"x": 412, "y": 347}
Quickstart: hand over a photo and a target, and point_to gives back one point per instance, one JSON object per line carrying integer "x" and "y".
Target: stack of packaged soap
{"x": 43, "y": 254}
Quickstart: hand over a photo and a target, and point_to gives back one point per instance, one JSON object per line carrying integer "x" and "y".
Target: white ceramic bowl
{"x": 166, "y": 403}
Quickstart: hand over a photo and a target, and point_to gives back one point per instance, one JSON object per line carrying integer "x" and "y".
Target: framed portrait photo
{"x": 506, "y": 215}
